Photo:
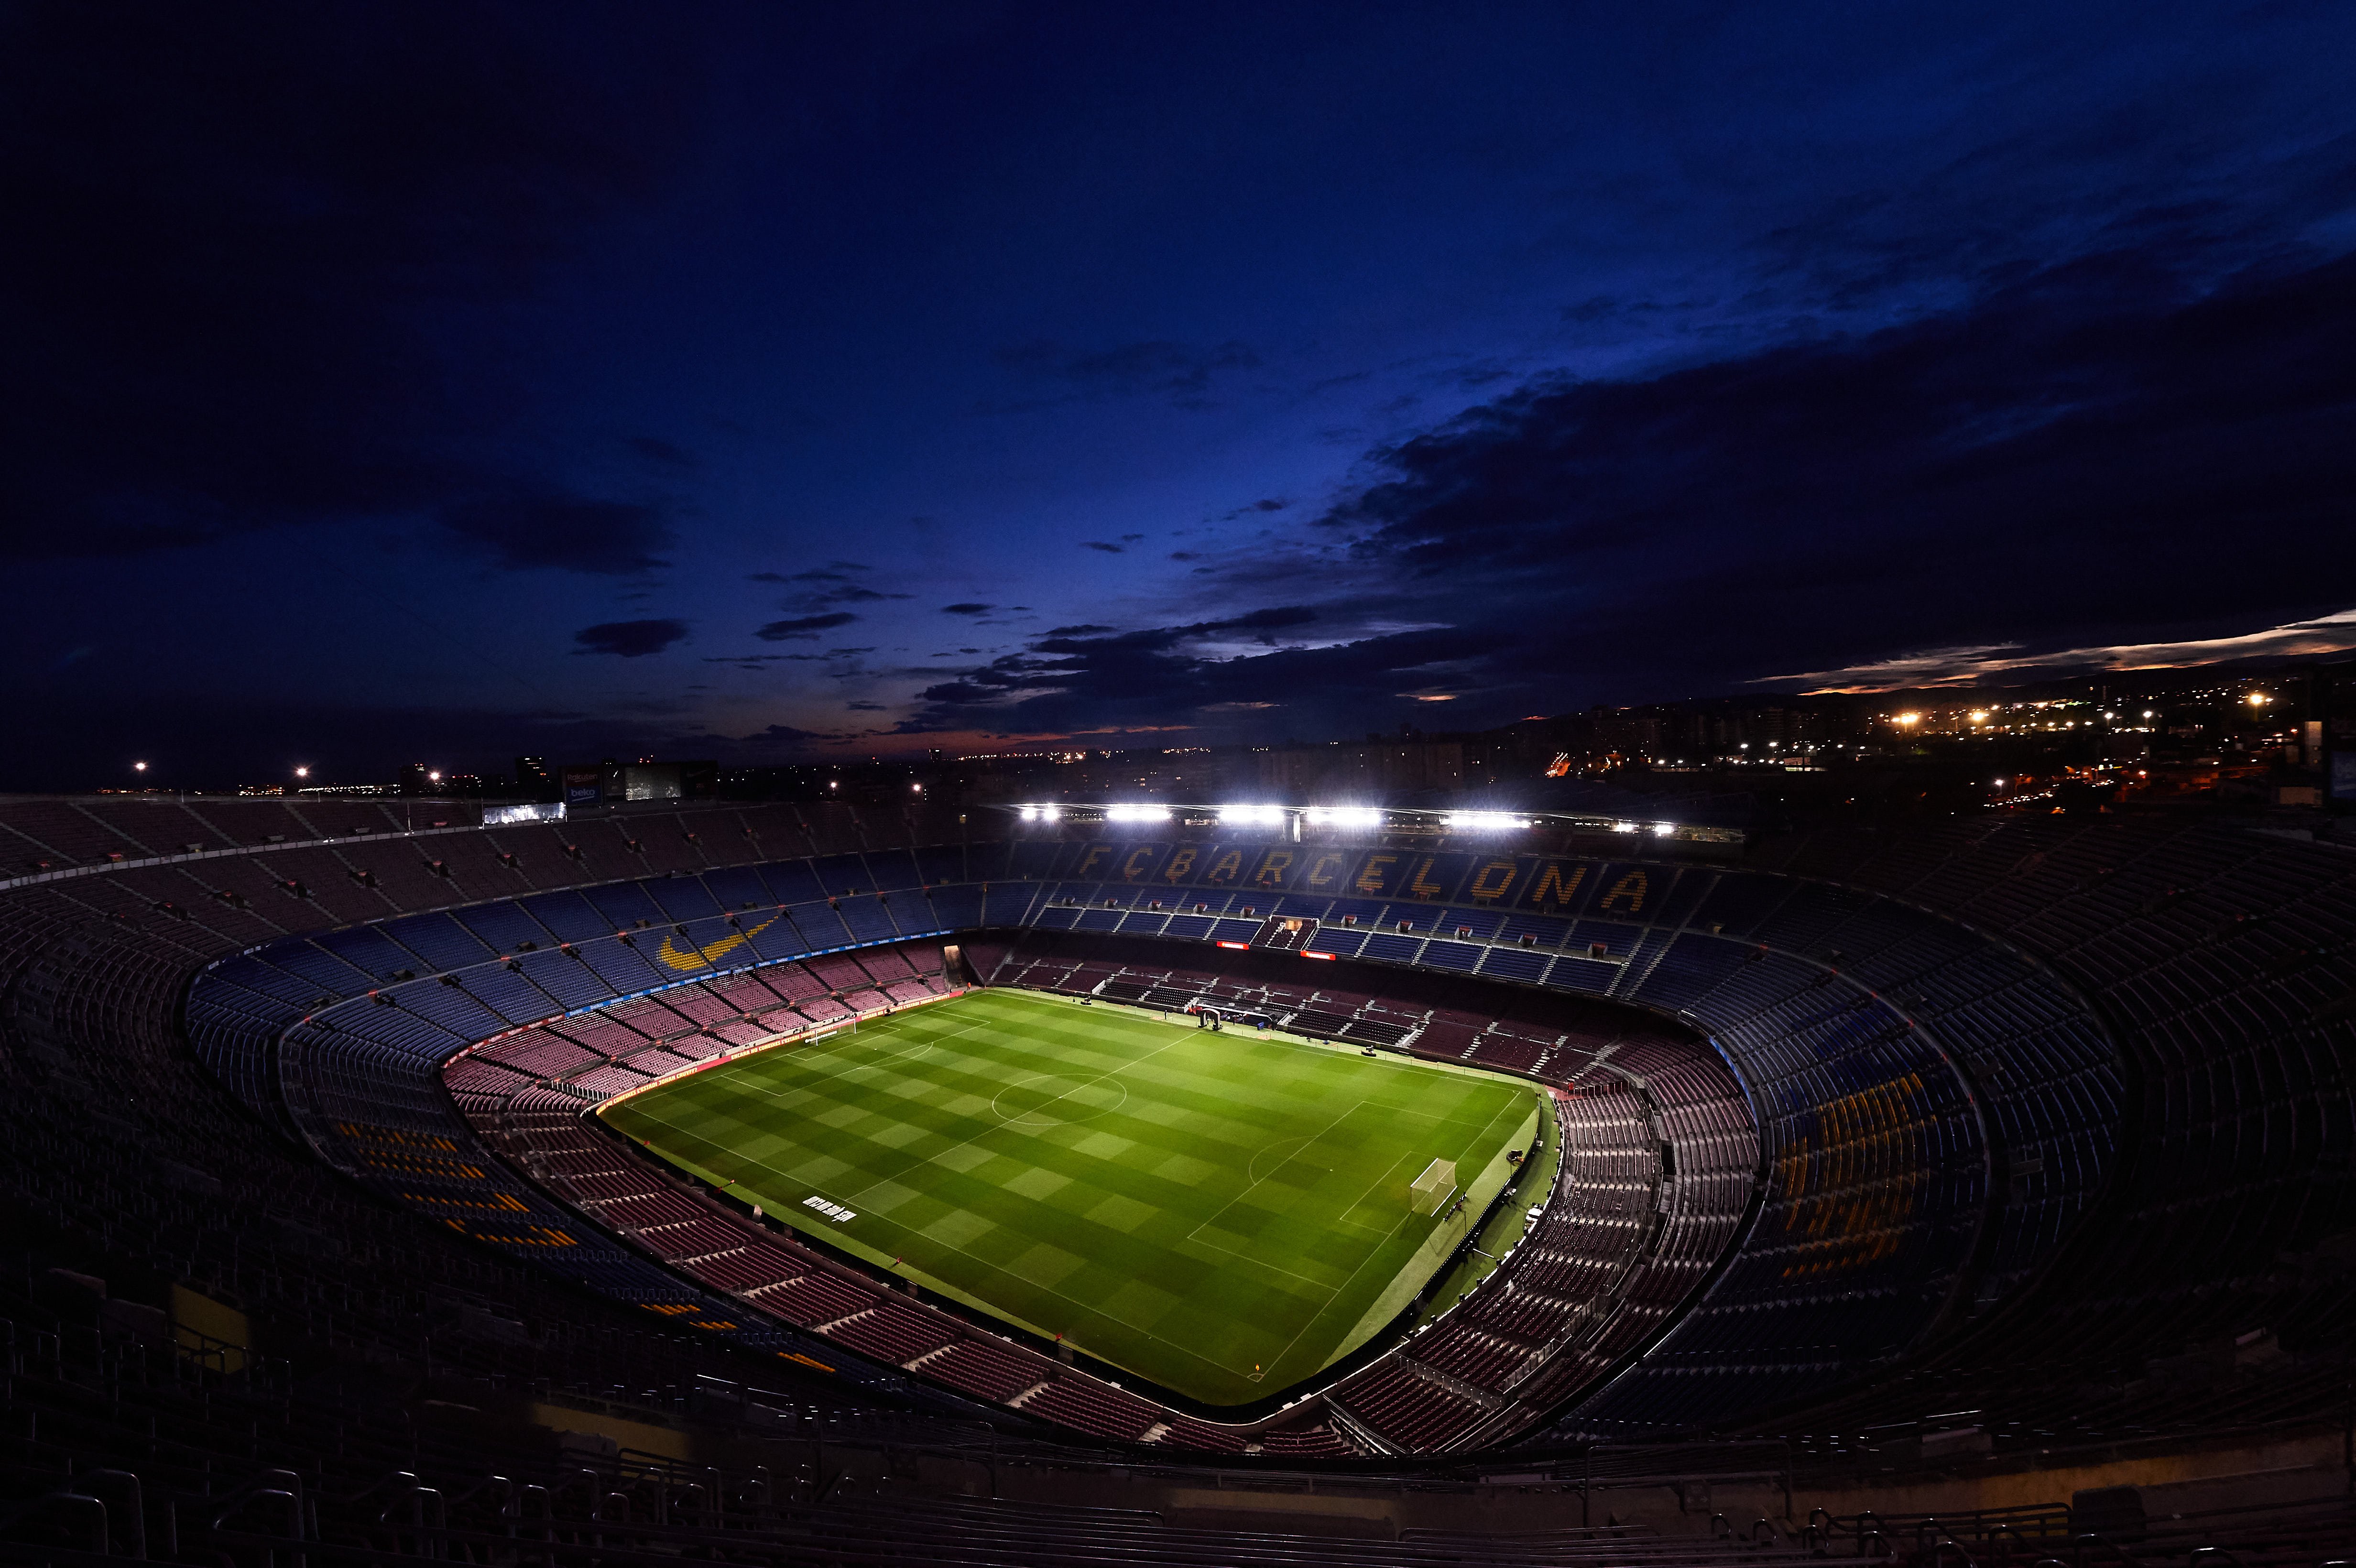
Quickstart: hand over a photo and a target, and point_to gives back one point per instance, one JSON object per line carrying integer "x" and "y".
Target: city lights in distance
{"x": 1345, "y": 817}
{"x": 1251, "y": 817}
{"x": 1136, "y": 814}
{"x": 1482, "y": 821}
{"x": 1043, "y": 813}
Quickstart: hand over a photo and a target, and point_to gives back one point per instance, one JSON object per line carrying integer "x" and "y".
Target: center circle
{"x": 1291, "y": 1147}
{"x": 1053, "y": 1099}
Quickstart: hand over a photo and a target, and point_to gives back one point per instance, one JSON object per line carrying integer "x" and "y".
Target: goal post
{"x": 1434, "y": 1187}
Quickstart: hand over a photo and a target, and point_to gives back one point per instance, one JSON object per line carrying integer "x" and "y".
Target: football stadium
{"x": 1076, "y": 785}
{"x": 830, "y": 1183}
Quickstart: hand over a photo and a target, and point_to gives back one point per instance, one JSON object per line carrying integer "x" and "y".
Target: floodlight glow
{"x": 1623, "y": 827}
{"x": 1345, "y": 817}
{"x": 1251, "y": 817}
{"x": 1136, "y": 814}
{"x": 302, "y": 772}
{"x": 1481, "y": 821}
{"x": 138, "y": 767}
{"x": 1665, "y": 828}
{"x": 1041, "y": 814}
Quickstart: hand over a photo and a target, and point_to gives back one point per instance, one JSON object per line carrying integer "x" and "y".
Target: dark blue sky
{"x": 445, "y": 381}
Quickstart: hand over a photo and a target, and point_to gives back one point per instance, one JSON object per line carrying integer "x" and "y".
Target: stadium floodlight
{"x": 1482, "y": 821}
{"x": 1136, "y": 814}
{"x": 1663, "y": 827}
{"x": 1623, "y": 827}
{"x": 1345, "y": 817}
{"x": 1042, "y": 814}
{"x": 1251, "y": 817}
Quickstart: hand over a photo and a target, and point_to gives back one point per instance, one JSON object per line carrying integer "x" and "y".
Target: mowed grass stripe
{"x": 1184, "y": 1204}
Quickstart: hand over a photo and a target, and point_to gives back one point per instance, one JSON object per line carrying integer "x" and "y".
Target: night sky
{"x": 440, "y": 383}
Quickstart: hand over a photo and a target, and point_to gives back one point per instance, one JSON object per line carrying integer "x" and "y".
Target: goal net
{"x": 1434, "y": 1187}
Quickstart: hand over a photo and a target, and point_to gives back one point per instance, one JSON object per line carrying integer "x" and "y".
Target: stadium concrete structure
{"x": 1984, "y": 1141}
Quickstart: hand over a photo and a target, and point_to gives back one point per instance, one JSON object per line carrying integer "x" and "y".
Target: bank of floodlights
{"x": 1043, "y": 813}
{"x": 1366, "y": 816}
{"x": 1251, "y": 817}
{"x": 1136, "y": 814}
{"x": 1482, "y": 821}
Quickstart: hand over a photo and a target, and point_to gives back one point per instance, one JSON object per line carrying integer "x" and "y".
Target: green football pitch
{"x": 1220, "y": 1214}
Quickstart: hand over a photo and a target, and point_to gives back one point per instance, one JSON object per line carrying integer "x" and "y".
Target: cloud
{"x": 864, "y": 706}
{"x": 655, "y": 449}
{"x": 826, "y": 585}
{"x": 2006, "y": 661}
{"x": 629, "y": 639}
{"x": 2097, "y": 455}
{"x": 804, "y": 626}
{"x": 967, "y": 609}
{"x": 569, "y": 533}
{"x": 1156, "y": 676}
{"x": 1082, "y": 630}
{"x": 1175, "y": 371}
{"x": 1100, "y": 544}
{"x": 1158, "y": 679}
